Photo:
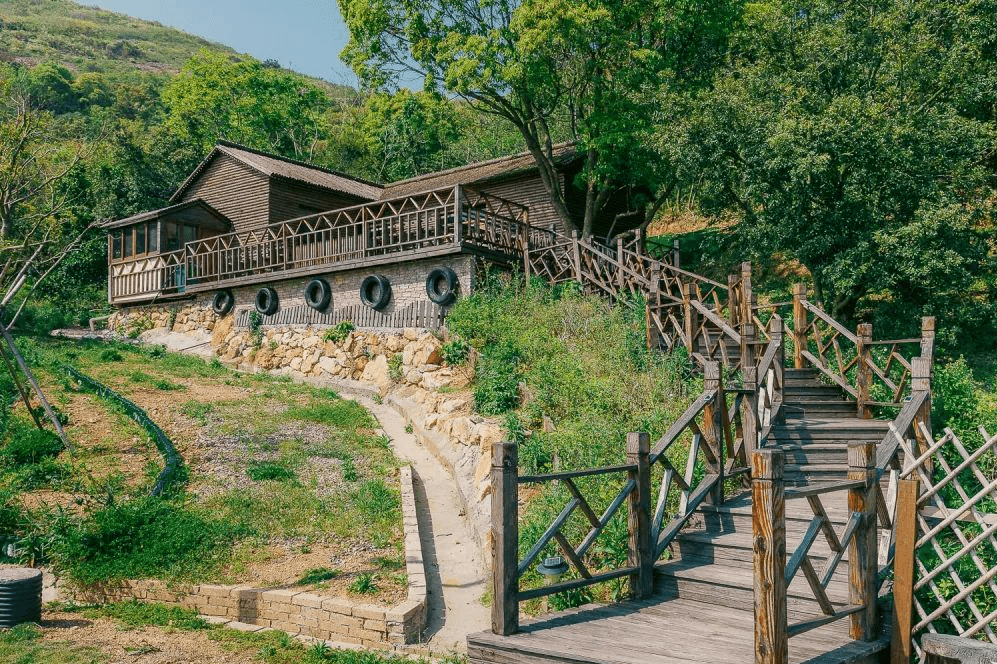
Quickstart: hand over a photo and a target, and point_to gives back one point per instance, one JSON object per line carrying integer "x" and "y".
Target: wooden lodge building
{"x": 303, "y": 244}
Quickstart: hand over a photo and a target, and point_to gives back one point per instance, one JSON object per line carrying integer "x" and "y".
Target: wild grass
{"x": 24, "y": 645}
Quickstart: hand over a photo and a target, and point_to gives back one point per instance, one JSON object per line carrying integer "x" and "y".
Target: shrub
{"x": 395, "y": 367}
{"x": 497, "y": 380}
{"x": 256, "y": 327}
{"x": 260, "y": 471}
{"x": 141, "y": 538}
{"x": 339, "y": 332}
{"x": 29, "y": 445}
{"x": 455, "y": 352}
{"x": 110, "y": 355}
{"x": 954, "y": 399}
{"x": 363, "y": 584}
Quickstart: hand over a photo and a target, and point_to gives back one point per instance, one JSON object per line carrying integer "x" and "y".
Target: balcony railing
{"x": 408, "y": 226}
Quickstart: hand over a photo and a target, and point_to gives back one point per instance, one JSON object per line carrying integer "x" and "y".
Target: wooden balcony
{"x": 434, "y": 223}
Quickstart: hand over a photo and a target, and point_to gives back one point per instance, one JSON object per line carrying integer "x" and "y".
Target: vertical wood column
{"x": 863, "y": 368}
{"x": 639, "y": 516}
{"x": 799, "y": 324}
{"x": 576, "y": 256}
{"x": 734, "y": 307}
{"x": 862, "y": 554}
{"x": 747, "y": 296}
{"x": 691, "y": 319}
{"x": 921, "y": 382}
{"x": 713, "y": 431}
{"x": 620, "y": 277}
{"x": 676, "y": 255}
{"x": 928, "y": 338}
{"x": 458, "y": 205}
{"x": 768, "y": 528}
{"x": 505, "y": 538}
{"x": 905, "y": 523}
{"x": 750, "y": 425}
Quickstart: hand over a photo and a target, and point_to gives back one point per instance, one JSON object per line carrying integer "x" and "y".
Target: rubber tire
{"x": 318, "y": 295}
{"x": 223, "y": 302}
{"x": 448, "y": 294}
{"x": 375, "y": 285}
{"x": 266, "y": 301}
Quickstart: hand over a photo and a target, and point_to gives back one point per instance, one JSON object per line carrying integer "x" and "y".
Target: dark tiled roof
{"x": 274, "y": 166}
{"x": 203, "y": 208}
{"x": 493, "y": 169}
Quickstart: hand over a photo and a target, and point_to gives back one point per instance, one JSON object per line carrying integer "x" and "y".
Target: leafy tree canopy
{"x": 556, "y": 69}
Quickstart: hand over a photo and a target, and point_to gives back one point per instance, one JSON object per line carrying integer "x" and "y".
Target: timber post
{"x": 777, "y": 335}
{"x": 713, "y": 431}
{"x": 676, "y": 255}
{"x": 505, "y": 538}
{"x": 734, "y": 307}
{"x": 921, "y": 382}
{"x": 640, "y": 553}
{"x": 458, "y": 204}
{"x": 863, "y": 368}
{"x": 799, "y": 324}
{"x": 928, "y": 338}
{"x": 862, "y": 555}
{"x": 691, "y": 322}
{"x": 576, "y": 256}
{"x": 620, "y": 277}
{"x": 905, "y": 523}
{"x": 747, "y": 297}
{"x": 768, "y": 529}
{"x": 750, "y": 425}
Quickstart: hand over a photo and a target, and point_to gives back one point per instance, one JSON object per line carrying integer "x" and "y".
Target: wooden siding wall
{"x": 236, "y": 190}
{"x": 290, "y": 200}
{"x": 529, "y": 191}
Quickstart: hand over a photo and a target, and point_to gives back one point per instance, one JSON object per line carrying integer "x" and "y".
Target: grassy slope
{"x": 92, "y": 39}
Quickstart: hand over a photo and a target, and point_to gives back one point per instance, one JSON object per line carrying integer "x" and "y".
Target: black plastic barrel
{"x": 20, "y": 596}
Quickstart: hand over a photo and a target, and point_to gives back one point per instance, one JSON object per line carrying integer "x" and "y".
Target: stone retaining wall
{"x": 337, "y": 619}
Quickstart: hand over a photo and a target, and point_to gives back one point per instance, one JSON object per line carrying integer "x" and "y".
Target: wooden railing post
{"x": 768, "y": 528}
{"x": 905, "y": 527}
{"x": 862, "y": 554}
{"x": 458, "y": 204}
{"x": 734, "y": 307}
{"x": 749, "y": 409}
{"x": 505, "y": 538}
{"x": 690, "y": 317}
{"x": 713, "y": 431}
{"x": 777, "y": 336}
{"x": 620, "y": 277}
{"x": 921, "y": 382}
{"x": 639, "y": 516}
{"x": 799, "y": 324}
{"x": 928, "y": 338}
{"x": 576, "y": 256}
{"x": 863, "y": 368}
{"x": 676, "y": 254}
{"x": 747, "y": 299}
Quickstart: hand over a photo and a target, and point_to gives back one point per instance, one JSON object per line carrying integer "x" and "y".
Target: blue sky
{"x": 305, "y": 35}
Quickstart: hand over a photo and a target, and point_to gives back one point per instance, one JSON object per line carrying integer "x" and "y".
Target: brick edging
{"x": 336, "y": 619}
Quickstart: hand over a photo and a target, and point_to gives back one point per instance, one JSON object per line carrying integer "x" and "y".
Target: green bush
{"x": 141, "y": 538}
{"x": 395, "y": 367}
{"x": 339, "y": 332}
{"x": 455, "y": 352}
{"x": 110, "y": 355}
{"x": 954, "y": 399}
{"x": 30, "y": 445}
{"x": 497, "y": 379}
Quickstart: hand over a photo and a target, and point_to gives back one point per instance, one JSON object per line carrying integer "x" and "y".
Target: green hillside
{"x": 91, "y": 39}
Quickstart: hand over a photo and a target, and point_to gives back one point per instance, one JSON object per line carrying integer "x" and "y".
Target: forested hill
{"x": 88, "y": 39}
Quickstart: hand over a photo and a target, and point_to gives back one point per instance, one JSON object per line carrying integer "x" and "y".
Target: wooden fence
{"x": 713, "y": 428}
{"x": 418, "y": 314}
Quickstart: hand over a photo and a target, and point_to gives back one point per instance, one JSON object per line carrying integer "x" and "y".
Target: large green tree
{"x": 854, "y": 138}
{"x": 556, "y": 69}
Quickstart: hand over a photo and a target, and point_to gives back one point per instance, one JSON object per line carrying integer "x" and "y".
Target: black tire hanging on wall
{"x": 375, "y": 292}
{"x": 223, "y": 302}
{"x": 318, "y": 295}
{"x": 441, "y": 286}
{"x": 266, "y": 301}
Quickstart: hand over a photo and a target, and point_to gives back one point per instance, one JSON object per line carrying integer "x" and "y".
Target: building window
{"x": 116, "y": 244}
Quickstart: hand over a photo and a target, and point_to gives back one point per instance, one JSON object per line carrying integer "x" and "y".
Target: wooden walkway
{"x": 659, "y": 630}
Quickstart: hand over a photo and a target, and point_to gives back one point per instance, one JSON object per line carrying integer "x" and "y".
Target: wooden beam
{"x": 505, "y": 539}
{"x": 862, "y": 557}
{"x": 640, "y": 554}
{"x": 768, "y": 527}
{"x": 905, "y": 524}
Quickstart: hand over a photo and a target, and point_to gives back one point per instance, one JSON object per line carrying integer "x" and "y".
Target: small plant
{"x": 173, "y": 318}
{"x": 395, "y": 367}
{"x": 363, "y": 584}
{"x": 274, "y": 345}
{"x": 157, "y": 352}
{"x": 215, "y": 363}
{"x": 256, "y": 327}
{"x": 138, "y": 325}
{"x": 378, "y": 399}
{"x": 408, "y": 428}
{"x": 455, "y": 352}
{"x": 339, "y": 333}
{"x": 318, "y": 575}
{"x": 197, "y": 411}
{"x": 167, "y": 386}
{"x": 110, "y": 355}
{"x": 29, "y": 445}
{"x": 260, "y": 471}
{"x": 349, "y": 469}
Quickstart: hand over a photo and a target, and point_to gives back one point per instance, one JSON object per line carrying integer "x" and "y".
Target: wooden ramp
{"x": 659, "y": 630}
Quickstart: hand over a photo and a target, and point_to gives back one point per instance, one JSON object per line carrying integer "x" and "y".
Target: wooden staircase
{"x": 708, "y": 576}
